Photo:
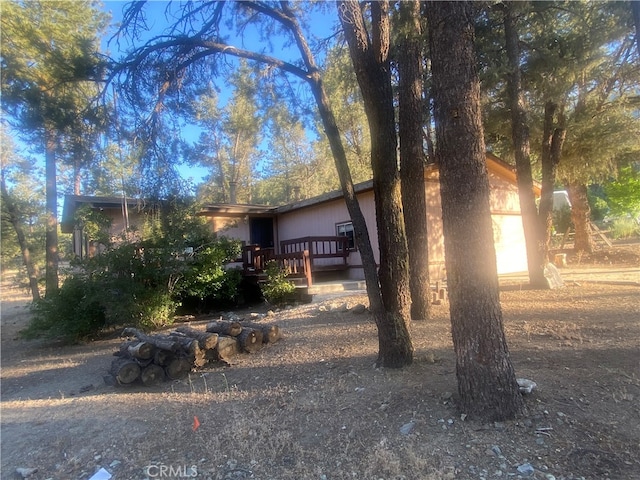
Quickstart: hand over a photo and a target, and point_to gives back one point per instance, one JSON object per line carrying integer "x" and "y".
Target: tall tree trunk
{"x": 533, "y": 234}
{"x": 553, "y": 136}
{"x": 394, "y": 343}
{"x": 370, "y": 59}
{"x": 635, "y": 10}
{"x": 580, "y": 216}
{"x": 14, "y": 218}
{"x": 486, "y": 378}
{"x": 51, "y": 236}
{"x": 414, "y": 201}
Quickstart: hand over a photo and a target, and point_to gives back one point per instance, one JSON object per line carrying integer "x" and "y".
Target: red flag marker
{"x": 196, "y": 423}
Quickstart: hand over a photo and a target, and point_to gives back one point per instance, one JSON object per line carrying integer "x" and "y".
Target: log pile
{"x": 151, "y": 359}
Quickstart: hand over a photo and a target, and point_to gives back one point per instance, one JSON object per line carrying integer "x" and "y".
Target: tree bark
{"x": 580, "y": 216}
{"x": 178, "y": 367}
{"x": 125, "y": 370}
{"x": 51, "y": 235}
{"x": 635, "y": 10}
{"x": 222, "y": 327}
{"x": 486, "y": 378}
{"x": 14, "y": 219}
{"x": 270, "y": 333}
{"x": 553, "y": 136}
{"x": 412, "y": 163}
{"x": 206, "y": 340}
{"x": 370, "y": 58}
{"x": 152, "y": 374}
{"x": 533, "y": 234}
{"x": 136, "y": 349}
{"x": 250, "y": 340}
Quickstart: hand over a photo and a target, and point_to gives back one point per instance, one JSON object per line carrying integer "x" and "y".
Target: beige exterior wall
{"x": 321, "y": 220}
{"x": 233, "y": 228}
{"x": 508, "y": 234}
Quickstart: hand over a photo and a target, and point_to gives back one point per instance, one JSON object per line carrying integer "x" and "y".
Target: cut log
{"x": 152, "y": 374}
{"x": 125, "y": 370}
{"x": 136, "y": 349}
{"x": 206, "y": 340}
{"x": 162, "y": 357}
{"x": 163, "y": 343}
{"x": 222, "y": 327}
{"x": 226, "y": 348}
{"x": 187, "y": 344}
{"x": 250, "y": 340}
{"x": 270, "y": 333}
{"x": 178, "y": 367}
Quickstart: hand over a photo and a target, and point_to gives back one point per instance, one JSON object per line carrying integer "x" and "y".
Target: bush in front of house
{"x": 135, "y": 284}
{"x": 277, "y": 289}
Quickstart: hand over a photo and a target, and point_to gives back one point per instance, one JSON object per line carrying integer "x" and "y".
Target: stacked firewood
{"x": 151, "y": 359}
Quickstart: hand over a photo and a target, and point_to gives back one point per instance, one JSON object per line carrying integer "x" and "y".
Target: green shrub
{"x": 205, "y": 275}
{"x": 140, "y": 284}
{"x": 624, "y": 227}
{"x": 562, "y": 219}
{"x": 277, "y": 288}
{"x": 74, "y": 312}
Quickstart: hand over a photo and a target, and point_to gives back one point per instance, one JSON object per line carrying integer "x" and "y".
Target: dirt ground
{"x": 312, "y": 406}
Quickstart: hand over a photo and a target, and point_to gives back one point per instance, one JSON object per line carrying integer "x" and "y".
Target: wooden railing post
{"x": 306, "y": 265}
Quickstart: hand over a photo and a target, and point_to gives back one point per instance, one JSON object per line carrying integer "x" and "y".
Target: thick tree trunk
{"x": 330, "y": 126}
{"x": 533, "y": 234}
{"x": 580, "y": 216}
{"x": 51, "y": 236}
{"x": 635, "y": 10}
{"x": 14, "y": 218}
{"x": 552, "y": 140}
{"x": 412, "y": 163}
{"x": 486, "y": 378}
{"x": 370, "y": 58}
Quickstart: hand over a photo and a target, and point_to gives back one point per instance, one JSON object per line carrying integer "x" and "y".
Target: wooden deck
{"x": 299, "y": 257}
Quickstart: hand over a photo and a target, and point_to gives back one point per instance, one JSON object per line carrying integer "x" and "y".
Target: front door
{"x": 261, "y": 230}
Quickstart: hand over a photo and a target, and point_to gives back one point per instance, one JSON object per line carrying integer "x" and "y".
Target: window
{"x": 345, "y": 229}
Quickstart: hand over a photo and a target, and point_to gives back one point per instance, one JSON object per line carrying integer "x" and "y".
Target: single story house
{"x": 123, "y": 212}
{"x": 313, "y": 237}
{"x": 313, "y": 224}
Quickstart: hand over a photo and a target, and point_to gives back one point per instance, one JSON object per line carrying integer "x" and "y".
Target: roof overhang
{"x": 73, "y": 202}
{"x": 235, "y": 210}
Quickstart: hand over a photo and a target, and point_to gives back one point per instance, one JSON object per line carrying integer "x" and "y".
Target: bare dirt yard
{"x": 312, "y": 406}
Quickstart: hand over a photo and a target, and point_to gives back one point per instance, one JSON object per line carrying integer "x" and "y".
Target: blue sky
{"x": 321, "y": 26}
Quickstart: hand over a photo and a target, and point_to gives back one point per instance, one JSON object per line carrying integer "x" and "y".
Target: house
{"x": 122, "y": 212}
{"x": 314, "y": 238}
{"x": 316, "y": 224}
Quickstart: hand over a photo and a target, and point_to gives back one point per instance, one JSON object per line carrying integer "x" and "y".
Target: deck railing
{"x": 325, "y": 253}
{"x": 299, "y": 257}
